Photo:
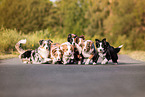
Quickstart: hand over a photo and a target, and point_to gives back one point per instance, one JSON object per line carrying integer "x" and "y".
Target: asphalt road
{"x": 127, "y": 79}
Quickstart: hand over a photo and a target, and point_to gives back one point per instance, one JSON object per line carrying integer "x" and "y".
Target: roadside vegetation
{"x": 119, "y": 21}
{"x": 135, "y": 54}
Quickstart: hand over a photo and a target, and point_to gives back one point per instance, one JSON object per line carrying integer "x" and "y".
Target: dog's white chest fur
{"x": 102, "y": 55}
{"x": 86, "y": 54}
{"x": 43, "y": 53}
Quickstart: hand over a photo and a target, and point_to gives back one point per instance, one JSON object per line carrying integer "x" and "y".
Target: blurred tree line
{"x": 120, "y": 21}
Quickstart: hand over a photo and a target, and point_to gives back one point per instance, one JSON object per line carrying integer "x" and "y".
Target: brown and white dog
{"x": 74, "y": 39}
{"x": 89, "y": 52}
{"x": 78, "y": 43}
{"x": 68, "y": 53}
{"x": 56, "y": 53}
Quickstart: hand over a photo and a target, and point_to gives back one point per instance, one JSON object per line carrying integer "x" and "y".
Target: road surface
{"x": 127, "y": 79}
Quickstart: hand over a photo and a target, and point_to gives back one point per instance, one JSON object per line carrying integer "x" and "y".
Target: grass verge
{"x": 137, "y": 55}
{"x": 7, "y": 56}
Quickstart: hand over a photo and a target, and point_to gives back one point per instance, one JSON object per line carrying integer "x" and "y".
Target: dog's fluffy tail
{"x": 118, "y": 48}
{"x": 18, "y": 46}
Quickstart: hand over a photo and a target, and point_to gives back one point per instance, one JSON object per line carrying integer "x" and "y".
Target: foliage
{"x": 25, "y": 15}
{"x": 96, "y": 14}
{"x": 71, "y": 15}
{"x": 10, "y": 37}
{"x": 126, "y": 19}
{"x": 120, "y": 21}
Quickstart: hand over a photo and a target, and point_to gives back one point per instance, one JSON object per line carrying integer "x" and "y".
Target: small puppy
{"x": 56, "y": 54}
{"x": 37, "y": 56}
{"x": 89, "y": 52}
{"x": 78, "y": 43}
{"x": 71, "y": 38}
{"x": 107, "y": 52}
{"x": 68, "y": 53}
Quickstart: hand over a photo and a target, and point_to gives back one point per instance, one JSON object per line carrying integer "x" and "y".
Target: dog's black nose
{"x": 100, "y": 49}
{"x": 46, "y": 47}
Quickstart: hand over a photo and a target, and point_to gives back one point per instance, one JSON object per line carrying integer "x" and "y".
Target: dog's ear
{"x": 76, "y": 40}
{"x": 50, "y": 41}
{"x": 40, "y": 42}
{"x": 97, "y": 40}
{"x": 69, "y": 38}
{"x": 83, "y": 37}
{"x": 104, "y": 41}
{"x": 73, "y": 35}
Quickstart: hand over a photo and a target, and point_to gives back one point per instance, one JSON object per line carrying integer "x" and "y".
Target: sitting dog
{"x": 86, "y": 49}
{"x": 68, "y": 53}
{"x": 107, "y": 52}
{"x": 71, "y": 38}
{"x": 56, "y": 54}
{"x": 37, "y": 56}
{"x": 77, "y": 42}
{"x": 89, "y": 52}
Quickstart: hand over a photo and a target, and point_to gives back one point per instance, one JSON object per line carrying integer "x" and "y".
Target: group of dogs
{"x": 76, "y": 50}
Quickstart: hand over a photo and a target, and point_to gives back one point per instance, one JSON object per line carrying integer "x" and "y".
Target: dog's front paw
{"x": 53, "y": 62}
{"x": 105, "y": 61}
{"x": 64, "y": 63}
{"x": 115, "y": 63}
{"x": 79, "y": 62}
{"x": 94, "y": 63}
{"x": 87, "y": 62}
{"x": 48, "y": 59}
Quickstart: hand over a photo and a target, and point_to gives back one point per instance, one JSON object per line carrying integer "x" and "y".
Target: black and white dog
{"x": 37, "y": 56}
{"x": 107, "y": 52}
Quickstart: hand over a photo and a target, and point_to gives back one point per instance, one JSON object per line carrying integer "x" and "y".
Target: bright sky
{"x": 52, "y": 0}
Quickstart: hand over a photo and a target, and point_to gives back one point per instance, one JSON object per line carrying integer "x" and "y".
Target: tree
{"x": 126, "y": 21}
{"x": 25, "y": 15}
{"x": 96, "y": 14}
{"x": 71, "y": 15}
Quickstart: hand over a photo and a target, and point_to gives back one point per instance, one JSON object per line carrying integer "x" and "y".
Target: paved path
{"x": 127, "y": 79}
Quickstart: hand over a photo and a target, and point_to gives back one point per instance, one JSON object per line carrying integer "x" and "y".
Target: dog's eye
{"x": 67, "y": 49}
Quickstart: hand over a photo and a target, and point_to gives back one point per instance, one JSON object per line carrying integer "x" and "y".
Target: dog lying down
{"x": 37, "y": 56}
